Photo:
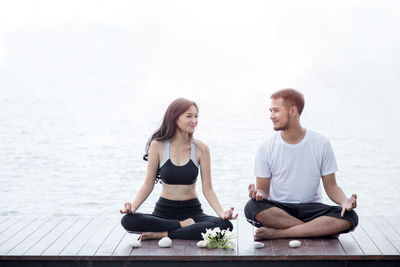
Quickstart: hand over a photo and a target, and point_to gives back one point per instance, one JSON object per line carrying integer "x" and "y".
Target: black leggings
{"x": 166, "y": 217}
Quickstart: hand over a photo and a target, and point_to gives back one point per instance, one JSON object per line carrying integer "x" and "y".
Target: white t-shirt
{"x": 295, "y": 169}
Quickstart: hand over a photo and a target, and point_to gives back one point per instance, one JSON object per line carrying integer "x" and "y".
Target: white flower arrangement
{"x": 216, "y": 238}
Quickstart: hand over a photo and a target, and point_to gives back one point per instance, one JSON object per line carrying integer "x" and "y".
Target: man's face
{"x": 279, "y": 115}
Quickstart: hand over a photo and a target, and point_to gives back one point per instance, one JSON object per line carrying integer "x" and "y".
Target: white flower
{"x": 216, "y": 238}
{"x": 230, "y": 244}
{"x": 230, "y": 235}
{"x": 206, "y": 236}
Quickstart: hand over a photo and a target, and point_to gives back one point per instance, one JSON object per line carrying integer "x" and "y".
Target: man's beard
{"x": 283, "y": 127}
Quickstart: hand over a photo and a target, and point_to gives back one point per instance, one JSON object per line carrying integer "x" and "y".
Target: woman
{"x": 175, "y": 158}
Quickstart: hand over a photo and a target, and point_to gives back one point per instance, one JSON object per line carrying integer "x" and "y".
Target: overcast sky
{"x": 210, "y": 46}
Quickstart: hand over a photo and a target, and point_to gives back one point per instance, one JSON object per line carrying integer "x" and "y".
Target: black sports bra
{"x": 172, "y": 174}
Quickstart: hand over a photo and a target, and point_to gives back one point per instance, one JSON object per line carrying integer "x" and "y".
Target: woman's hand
{"x": 128, "y": 209}
{"x": 228, "y": 214}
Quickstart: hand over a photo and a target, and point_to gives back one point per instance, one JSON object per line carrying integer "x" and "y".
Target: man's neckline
{"x": 299, "y": 142}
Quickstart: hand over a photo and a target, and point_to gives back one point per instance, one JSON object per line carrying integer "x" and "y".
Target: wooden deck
{"x": 100, "y": 241}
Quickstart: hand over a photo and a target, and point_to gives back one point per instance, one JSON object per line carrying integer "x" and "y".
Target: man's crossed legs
{"x": 284, "y": 220}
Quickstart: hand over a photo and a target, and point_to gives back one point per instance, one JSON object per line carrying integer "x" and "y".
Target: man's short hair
{"x": 291, "y": 98}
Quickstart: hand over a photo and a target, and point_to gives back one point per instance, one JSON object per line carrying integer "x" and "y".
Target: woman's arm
{"x": 148, "y": 185}
{"x": 206, "y": 183}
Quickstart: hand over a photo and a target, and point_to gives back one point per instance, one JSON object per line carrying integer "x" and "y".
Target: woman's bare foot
{"x": 153, "y": 235}
{"x": 187, "y": 222}
{"x": 265, "y": 233}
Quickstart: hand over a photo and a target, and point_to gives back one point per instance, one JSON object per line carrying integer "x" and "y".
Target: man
{"x": 287, "y": 199}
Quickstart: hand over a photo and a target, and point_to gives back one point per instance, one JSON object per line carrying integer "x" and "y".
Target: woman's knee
{"x": 225, "y": 224}
{"x": 130, "y": 221}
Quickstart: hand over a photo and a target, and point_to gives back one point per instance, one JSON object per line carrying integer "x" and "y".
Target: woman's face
{"x": 187, "y": 121}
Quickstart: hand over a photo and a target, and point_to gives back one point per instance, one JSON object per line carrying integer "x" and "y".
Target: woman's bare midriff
{"x": 178, "y": 192}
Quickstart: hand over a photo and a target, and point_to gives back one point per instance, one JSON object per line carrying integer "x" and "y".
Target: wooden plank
{"x": 281, "y": 247}
{"x": 145, "y": 249}
{"x": 303, "y": 249}
{"x": 56, "y": 247}
{"x": 392, "y": 229}
{"x": 218, "y": 252}
{"x": 245, "y": 237}
{"x": 112, "y": 241}
{"x": 95, "y": 242}
{"x": 332, "y": 247}
{"x": 394, "y": 221}
{"x": 14, "y": 228}
{"x": 191, "y": 248}
{"x": 51, "y": 237}
{"x": 153, "y": 250}
{"x": 3, "y": 219}
{"x": 82, "y": 237}
{"x": 375, "y": 238}
{"x": 314, "y": 246}
{"x": 176, "y": 250}
{"x": 365, "y": 242}
{"x": 379, "y": 239}
{"x": 350, "y": 245}
{"x": 20, "y": 236}
{"x": 35, "y": 237}
{"x": 124, "y": 247}
{"x": 267, "y": 250}
{"x": 7, "y": 224}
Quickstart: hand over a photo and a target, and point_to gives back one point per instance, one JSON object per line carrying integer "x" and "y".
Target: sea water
{"x": 80, "y": 98}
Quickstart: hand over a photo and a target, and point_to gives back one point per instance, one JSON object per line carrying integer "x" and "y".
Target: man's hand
{"x": 254, "y": 193}
{"x": 349, "y": 204}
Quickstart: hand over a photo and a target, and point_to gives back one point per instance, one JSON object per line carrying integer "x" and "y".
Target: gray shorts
{"x": 303, "y": 211}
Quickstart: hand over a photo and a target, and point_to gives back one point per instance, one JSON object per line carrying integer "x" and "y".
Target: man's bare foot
{"x": 153, "y": 235}
{"x": 187, "y": 222}
{"x": 265, "y": 233}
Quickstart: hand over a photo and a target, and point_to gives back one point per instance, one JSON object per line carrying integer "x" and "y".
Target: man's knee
{"x": 251, "y": 208}
{"x": 345, "y": 224}
{"x": 255, "y": 210}
{"x": 270, "y": 213}
{"x": 248, "y": 209}
{"x": 352, "y": 218}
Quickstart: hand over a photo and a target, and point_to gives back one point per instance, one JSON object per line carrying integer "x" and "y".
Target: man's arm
{"x": 335, "y": 193}
{"x": 261, "y": 190}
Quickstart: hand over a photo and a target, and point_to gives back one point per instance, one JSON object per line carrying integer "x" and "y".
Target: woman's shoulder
{"x": 201, "y": 146}
{"x": 157, "y": 145}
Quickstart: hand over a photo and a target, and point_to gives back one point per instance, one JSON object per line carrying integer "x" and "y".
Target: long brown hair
{"x": 168, "y": 125}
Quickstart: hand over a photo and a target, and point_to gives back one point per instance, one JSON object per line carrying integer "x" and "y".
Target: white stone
{"x": 165, "y": 242}
{"x": 294, "y": 243}
{"x": 202, "y": 244}
{"x": 136, "y": 242}
{"x": 258, "y": 245}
